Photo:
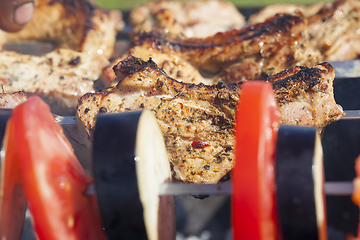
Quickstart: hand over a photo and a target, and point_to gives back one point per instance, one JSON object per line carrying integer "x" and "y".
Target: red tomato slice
{"x": 254, "y": 212}
{"x": 13, "y": 200}
{"x": 54, "y": 180}
{"x": 356, "y": 192}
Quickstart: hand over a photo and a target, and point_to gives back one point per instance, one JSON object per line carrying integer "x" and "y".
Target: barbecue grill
{"x": 209, "y": 218}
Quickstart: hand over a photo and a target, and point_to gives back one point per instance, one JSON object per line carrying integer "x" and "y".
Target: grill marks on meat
{"x": 333, "y": 27}
{"x": 186, "y": 19}
{"x": 77, "y": 25}
{"x": 198, "y": 120}
{"x": 305, "y": 95}
{"x": 334, "y": 30}
{"x": 249, "y": 53}
{"x": 328, "y": 32}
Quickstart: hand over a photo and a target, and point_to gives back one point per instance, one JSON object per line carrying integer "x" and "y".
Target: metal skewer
{"x": 351, "y": 115}
{"x": 330, "y": 189}
{"x": 70, "y": 120}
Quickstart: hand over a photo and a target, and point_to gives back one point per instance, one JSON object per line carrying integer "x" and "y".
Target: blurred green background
{"x": 126, "y": 5}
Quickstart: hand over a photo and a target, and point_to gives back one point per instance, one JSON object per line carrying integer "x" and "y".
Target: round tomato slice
{"x": 253, "y": 199}
{"x": 54, "y": 180}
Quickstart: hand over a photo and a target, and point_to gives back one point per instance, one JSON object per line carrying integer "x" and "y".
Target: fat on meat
{"x": 192, "y": 115}
{"x": 186, "y": 18}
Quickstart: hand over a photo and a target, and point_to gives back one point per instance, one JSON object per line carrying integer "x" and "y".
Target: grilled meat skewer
{"x": 197, "y": 121}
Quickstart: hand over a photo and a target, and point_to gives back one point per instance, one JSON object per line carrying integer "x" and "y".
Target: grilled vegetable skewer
{"x": 137, "y": 128}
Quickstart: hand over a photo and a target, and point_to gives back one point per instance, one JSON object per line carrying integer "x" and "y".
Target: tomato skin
{"x": 13, "y": 200}
{"x": 54, "y": 180}
{"x": 356, "y": 193}
{"x": 254, "y": 212}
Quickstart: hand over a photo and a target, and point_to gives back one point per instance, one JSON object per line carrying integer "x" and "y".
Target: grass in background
{"x": 127, "y": 5}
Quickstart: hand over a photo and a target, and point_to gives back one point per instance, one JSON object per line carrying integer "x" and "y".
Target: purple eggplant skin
{"x": 113, "y": 161}
{"x": 295, "y": 194}
{"x": 127, "y": 169}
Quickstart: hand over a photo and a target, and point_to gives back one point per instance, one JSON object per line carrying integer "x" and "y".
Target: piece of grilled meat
{"x": 59, "y": 77}
{"x": 186, "y": 18}
{"x": 333, "y": 27}
{"x": 273, "y": 9}
{"x": 11, "y": 100}
{"x": 250, "y": 53}
{"x": 170, "y": 61}
{"x": 75, "y": 24}
{"x": 335, "y": 30}
{"x": 198, "y": 120}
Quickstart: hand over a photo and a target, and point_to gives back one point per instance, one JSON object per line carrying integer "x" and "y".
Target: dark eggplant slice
{"x": 130, "y": 163}
{"x": 299, "y": 184}
{"x": 4, "y": 117}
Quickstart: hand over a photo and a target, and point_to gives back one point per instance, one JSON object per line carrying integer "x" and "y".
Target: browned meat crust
{"x": 188, "y": 113}
{"x": 223, "y": 49}
{"x": 333, "y": 27}
{"x": 78, "y": 25}
{"x": 253, "y": 52}
{"x": 305, "y": 96}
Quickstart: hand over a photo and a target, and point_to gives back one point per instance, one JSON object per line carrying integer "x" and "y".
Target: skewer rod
{"x": 351, "y": 115}
{"x": 70, "y": 120}
{"x": 338, "y": 188}
{"x": 330, "y": 188}
{"x": 195, "y": 189}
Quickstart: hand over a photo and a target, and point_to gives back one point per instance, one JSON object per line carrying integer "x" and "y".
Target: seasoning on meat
{"x": 11, "y": 100}
{"x": 53, "y": 76}
{"x": 189, "y": 112}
